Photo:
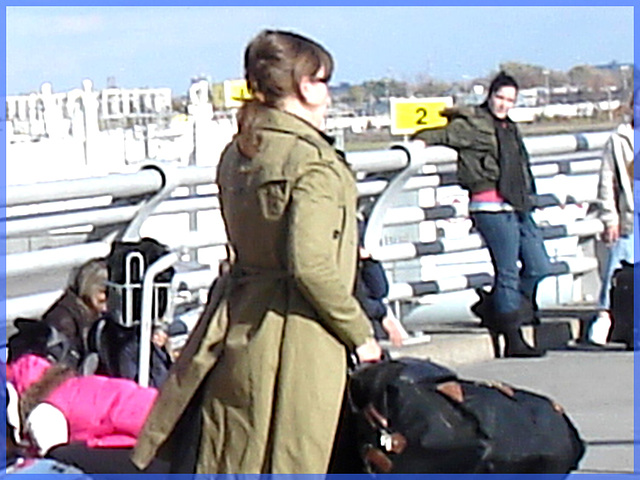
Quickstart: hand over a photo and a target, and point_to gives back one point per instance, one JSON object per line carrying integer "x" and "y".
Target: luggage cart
{"x": 142, "y": 286}
{"x": 128, "y": 265}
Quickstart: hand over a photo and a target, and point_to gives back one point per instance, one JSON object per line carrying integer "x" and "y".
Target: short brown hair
{"x": 275, "y": 62}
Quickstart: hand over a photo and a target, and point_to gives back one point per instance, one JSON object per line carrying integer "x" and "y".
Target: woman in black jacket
{"x": 493, "y": 164}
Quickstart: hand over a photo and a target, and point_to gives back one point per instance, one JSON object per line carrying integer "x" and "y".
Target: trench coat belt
{"x": 244, "y": 274}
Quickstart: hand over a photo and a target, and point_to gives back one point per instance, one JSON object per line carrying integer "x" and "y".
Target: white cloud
{"x": 46, "y": 22}
{"x": 77, "y": 24}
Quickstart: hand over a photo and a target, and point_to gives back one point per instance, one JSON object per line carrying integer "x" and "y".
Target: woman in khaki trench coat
{"x": 279, "y": 326}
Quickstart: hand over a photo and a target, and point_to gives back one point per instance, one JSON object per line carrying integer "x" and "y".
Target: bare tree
{"x": 426, "y": 86}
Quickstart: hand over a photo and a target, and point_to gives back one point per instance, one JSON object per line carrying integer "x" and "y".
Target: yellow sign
{"x": 235, "y": 91}
{"x": 217, "y": 96}
{"x": 411, "y": 114}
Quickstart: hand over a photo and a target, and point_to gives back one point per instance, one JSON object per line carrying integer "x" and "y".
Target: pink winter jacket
{"x": 100, "y": 411}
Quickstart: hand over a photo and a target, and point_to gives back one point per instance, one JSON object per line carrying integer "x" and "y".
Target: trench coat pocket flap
{"x": 274, "y": 197}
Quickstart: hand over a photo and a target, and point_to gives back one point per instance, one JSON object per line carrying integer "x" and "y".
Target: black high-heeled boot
{"x": 485, "y": 310}
{"x": 516, "y": 346}
{"x": 508, "y": 324}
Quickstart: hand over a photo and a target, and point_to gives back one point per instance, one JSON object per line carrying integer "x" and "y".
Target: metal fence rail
{"x": 390, "y": 181}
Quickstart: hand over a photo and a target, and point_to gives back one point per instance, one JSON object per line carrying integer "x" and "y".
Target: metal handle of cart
{"x": 122, "y": 295}
{"x": 147, "y": 313}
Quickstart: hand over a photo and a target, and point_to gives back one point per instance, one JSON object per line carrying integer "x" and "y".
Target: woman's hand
{"x": 395, "y": 335}
{"x": 394, "y": 328}
{"x": 611, "y": 234}
{"x": 369, "y": 351}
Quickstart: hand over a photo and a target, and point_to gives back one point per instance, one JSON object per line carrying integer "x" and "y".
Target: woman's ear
{"x": 305, "y": 89}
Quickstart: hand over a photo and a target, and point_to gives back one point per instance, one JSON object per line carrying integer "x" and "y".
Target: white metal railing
{"x": 127, "y": 194}
{"x": 148, "y": 180}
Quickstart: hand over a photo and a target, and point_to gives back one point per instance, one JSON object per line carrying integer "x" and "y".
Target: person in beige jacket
{"x": 264, "y": 371}
{"x": 615, "y": 192}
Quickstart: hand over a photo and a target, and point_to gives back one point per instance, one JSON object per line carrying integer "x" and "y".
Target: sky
{"x": 161, "y": 46}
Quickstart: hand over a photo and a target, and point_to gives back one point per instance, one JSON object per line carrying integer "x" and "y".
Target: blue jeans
{"x": 513, "y": 236}
{"x": 621, "y": 250}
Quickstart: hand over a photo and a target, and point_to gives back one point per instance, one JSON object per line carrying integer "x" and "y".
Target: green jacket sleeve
{"x": 436, "y": 136}
{"x": 459, "y": 134}
{"x": 315, "y": 230}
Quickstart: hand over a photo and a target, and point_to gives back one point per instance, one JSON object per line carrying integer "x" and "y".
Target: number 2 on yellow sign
{"x": 422, "y": 116}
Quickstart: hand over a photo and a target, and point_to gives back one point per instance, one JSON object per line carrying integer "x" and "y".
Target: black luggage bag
{"x": 413, "y": 416}
{"x": 621, "y": 295}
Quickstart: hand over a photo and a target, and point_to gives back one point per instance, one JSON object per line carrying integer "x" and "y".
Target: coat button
{"x": 336, "y": 234}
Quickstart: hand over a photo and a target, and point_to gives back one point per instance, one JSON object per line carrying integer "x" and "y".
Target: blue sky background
{"x": 158, "y": 46}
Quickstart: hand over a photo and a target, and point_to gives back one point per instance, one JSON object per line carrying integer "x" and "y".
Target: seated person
{"x": 99, "y": 411}
{"x": 160, "y": 360}
{"x": 371, "y": 291}
{"x": 83, "y": 302}
{"x": 118, "y": 348}
{"x": 100, "y": 415}
{"x": 178, "y": 334}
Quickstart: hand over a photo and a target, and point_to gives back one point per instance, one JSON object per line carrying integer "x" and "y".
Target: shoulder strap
{"x": 626, "y": 139}
{"x": 621, "y": 165}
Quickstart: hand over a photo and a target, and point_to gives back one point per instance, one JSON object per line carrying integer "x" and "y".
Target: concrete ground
{"x": 596, "y": 389}
{"x": 594, "y": 385}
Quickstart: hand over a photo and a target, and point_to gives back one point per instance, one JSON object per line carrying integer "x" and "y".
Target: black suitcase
{"x": 413, "y": 416}
{"x": 621, "y": 295}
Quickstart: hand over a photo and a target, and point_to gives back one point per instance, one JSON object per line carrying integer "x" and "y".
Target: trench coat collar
{"x": 275, "y": 119}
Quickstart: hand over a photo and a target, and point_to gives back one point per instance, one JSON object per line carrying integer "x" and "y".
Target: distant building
{"x": 614, "y": 66}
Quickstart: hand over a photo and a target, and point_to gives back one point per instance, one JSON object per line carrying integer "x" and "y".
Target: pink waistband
{"x": 487, "y": 196}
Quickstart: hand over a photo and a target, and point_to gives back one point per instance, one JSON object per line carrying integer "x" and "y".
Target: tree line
{"x": 588, "y": 82}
